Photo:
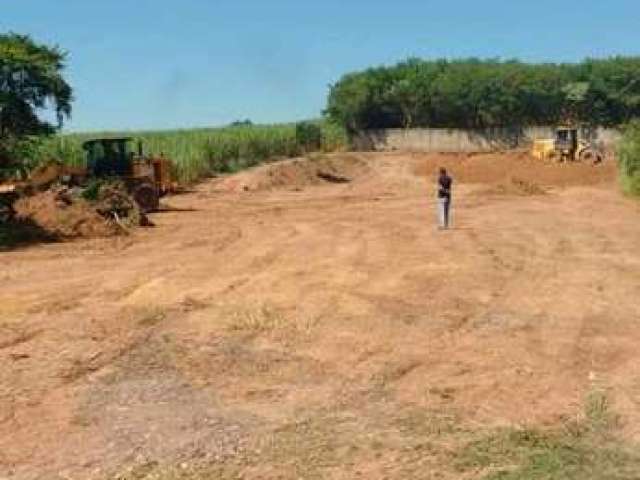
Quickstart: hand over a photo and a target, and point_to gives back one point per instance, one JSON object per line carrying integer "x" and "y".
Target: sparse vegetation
{"x": 201, "y": 152}
{"x": 629, "y": 158}
{"x": 309, "y": 136}
{"x": 532, "y": 455}
{"x": 586, "y": 448}
{"x": 420, "y": 441}
{"x": 256, "y": 320}
{"x": 265, "y": 319}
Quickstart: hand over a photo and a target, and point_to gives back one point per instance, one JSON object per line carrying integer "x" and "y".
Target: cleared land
{"x": 276, "y": 324}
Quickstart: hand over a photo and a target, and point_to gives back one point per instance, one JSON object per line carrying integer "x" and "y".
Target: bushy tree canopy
{"x": 476, "y": 93}
{"x": 31, "y": 82}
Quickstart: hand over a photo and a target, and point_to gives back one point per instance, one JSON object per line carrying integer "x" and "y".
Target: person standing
{"x": 445, "y": 183}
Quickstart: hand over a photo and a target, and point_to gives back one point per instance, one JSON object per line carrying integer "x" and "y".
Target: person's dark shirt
{"x": 444, "y": 186}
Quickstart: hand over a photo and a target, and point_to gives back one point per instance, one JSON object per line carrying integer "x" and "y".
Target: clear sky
{"x": 169, "y": 64}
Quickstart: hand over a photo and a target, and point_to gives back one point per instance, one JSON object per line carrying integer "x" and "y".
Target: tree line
{"x": 467, "y": 93}
{"x": 475, "y": 93}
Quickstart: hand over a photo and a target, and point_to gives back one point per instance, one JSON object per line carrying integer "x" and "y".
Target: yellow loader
{"x": 566, "y": 146}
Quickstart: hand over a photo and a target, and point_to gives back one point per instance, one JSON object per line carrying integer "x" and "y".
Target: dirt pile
{"x": 501, "y": 168}
{"x": 516, "y": 186}
{"x": 64, "y": 213}
{"x": 330, "y": 333}
{"x": 296, "y": 173}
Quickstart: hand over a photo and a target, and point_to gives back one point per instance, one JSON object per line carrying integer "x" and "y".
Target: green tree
{"x": 406, "y": 92}
{"x": 576, "y": 101}
{"x": 473, "y": 93}
{"x": 31, "y": 83}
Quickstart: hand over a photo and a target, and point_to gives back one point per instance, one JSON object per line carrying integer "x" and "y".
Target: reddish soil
{"x": 310, "y": 329}
{"x": 62, "y": 217}
{"x": 295, "y": 174}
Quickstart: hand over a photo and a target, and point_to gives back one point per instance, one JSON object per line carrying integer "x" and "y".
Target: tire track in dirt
{"x": 298, "y": 317}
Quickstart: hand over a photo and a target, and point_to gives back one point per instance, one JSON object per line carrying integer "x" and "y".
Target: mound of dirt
{"x": 501, "y": 168}
{"x": 296, "y": 173}
{"x": 516, "y": 186}
{"x": 63, "y": 216}
{"x": 62, "y": 212}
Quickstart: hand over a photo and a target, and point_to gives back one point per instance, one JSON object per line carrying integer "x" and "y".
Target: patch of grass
{"x": 151, "y": 316}
{"x": 266, "y": 319}
{"x": 421, "y": 443}
{"x": 305, "y": 448}
{"x": 599, "y": 419}
{"x": 629, "y": 158}
{"x": 256, "y": 320}
{"x": 422, "y": 423}
{"x": 301, "y": 449}
{"x": 631, "y": 183}
{"x": 532, "y": 455}
{"x": 153, "y": 472}
{"x": 586, "y": 449}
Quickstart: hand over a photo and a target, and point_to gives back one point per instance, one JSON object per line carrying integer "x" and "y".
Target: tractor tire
{"x": 146, "y": 197}
{"x": 7, "y": 213}
{"x": 590, "y": 156}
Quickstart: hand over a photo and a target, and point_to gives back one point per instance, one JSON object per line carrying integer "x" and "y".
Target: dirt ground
{"x": 274, "y": 326}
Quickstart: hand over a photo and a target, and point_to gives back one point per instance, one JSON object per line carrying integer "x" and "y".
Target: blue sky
{"x": 171, "y": 64}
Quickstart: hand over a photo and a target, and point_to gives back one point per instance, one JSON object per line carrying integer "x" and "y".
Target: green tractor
{"x": 147, "y": 178}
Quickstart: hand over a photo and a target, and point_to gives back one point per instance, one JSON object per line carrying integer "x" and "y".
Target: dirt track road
{"x": 301, "y": 330}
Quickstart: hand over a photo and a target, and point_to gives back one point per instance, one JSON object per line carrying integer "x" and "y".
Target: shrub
{"x": 309, "y": 136}
{"x": 629, "y": 158}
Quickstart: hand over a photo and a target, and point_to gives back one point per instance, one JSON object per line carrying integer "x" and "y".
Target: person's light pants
{"x": 444, "y": 205}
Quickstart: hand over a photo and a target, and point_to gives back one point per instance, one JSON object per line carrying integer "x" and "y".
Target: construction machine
{"x": 566, "y": 146}
{"x": 147, "y": 178}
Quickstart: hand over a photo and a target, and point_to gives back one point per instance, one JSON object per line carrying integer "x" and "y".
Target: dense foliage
{"x": 487, "y": 93}
{"x": 309, "y": 136}
{"x": 629, "y": 158}
{"x": 31, "y": 81}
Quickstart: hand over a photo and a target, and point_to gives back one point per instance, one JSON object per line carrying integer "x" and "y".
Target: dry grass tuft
{"x": 267, "y": 319}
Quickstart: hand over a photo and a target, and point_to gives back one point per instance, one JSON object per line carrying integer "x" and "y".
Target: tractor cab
{"x": 566, "y": 142}
{"x": 147, "y": 178}
{"x": 109, "y": 157}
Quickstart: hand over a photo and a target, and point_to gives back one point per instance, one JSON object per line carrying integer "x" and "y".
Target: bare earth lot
{"x": 275, "y": 325}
